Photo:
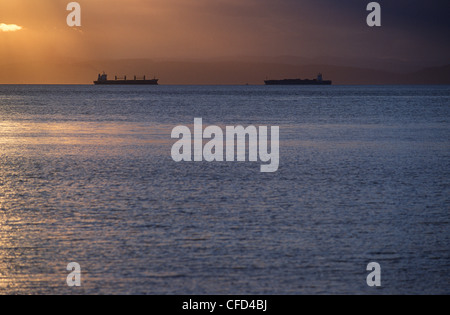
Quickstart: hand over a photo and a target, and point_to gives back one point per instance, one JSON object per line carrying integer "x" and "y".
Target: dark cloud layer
{"x": 415, "y": 30}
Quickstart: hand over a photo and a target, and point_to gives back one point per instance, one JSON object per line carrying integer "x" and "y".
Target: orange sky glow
{"x": 46, "y": 50}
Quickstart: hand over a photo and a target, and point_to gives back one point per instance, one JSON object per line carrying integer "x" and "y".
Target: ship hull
{"x": 127, "y": 82}
{"x": 297, "y": 82}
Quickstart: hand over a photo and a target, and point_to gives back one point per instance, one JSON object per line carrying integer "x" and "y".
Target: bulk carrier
{"x": 103, "y": 80}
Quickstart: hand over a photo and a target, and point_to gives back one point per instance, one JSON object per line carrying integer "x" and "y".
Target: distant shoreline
{"x": 268, "y": 86}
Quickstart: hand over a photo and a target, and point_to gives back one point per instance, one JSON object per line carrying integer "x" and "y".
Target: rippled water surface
{"x": 86, "y": 176}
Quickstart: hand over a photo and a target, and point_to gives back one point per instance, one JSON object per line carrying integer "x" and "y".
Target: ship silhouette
{"x": 318, "y": 81}
{"x": 103, "y": 80}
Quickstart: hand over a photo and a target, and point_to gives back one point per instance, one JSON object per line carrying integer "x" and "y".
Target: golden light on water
{"x": 9, "y": 27}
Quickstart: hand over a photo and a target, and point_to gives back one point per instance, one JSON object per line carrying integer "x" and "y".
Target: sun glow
{"x": 9, "y": 27}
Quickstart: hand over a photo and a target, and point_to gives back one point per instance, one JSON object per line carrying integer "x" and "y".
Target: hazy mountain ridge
{"x": 219, "y": 72}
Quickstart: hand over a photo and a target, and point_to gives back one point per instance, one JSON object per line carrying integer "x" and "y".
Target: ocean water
{"x": 86, "y": 176}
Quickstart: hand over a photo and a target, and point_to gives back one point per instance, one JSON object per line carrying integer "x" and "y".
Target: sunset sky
{"x": 35, "y": 40}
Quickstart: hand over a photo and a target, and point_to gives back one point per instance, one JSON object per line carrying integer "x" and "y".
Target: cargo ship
{"x": 318, "y": 81}
{"x": 103, "y": 80}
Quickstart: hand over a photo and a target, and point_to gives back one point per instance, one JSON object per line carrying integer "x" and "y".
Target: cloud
{"x": 9, "y": 27}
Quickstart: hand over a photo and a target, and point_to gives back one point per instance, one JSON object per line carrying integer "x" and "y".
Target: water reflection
{"x": 95, "y": 184}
